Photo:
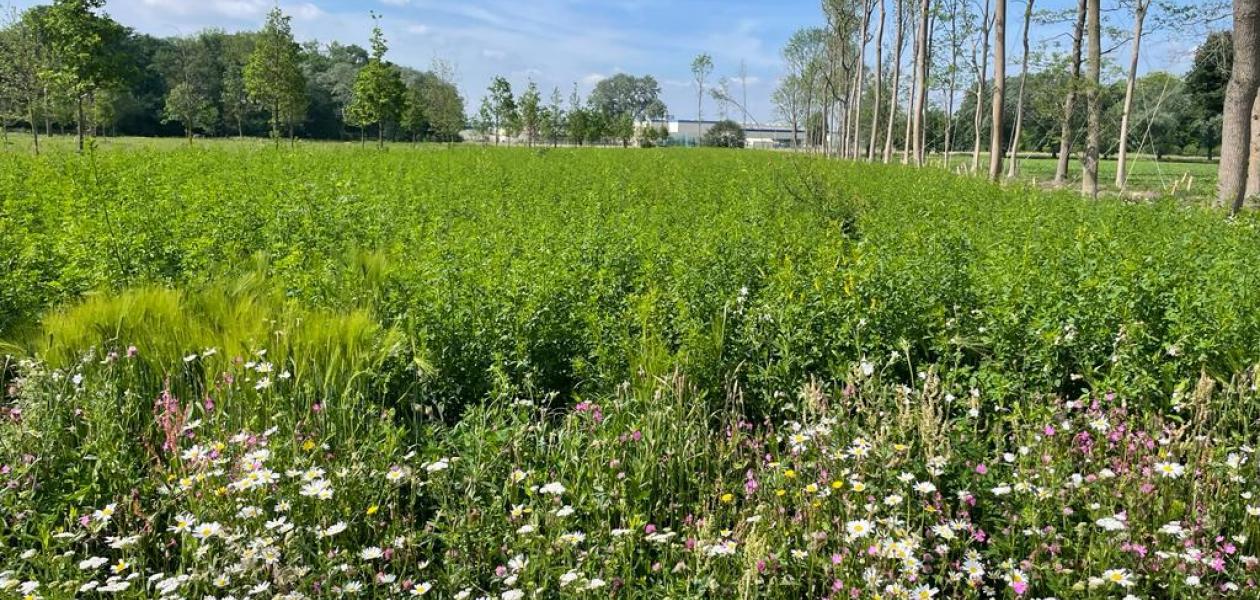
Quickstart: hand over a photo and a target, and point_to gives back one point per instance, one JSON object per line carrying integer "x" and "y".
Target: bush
{"x": 724, "y": 134}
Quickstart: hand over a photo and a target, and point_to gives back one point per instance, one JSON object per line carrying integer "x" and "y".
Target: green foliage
{"x": 724, "y": 134}
{"x": 273, "y": 78}
{"x": 568, "y": 270}
{"x": 379, "y": 92}
{"x": 186, "y": 104}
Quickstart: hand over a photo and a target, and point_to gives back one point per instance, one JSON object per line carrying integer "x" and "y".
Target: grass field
{"x": 465, "y": 372}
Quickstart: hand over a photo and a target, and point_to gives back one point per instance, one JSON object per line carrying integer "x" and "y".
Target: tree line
{"x": 69, "y": 66}
{"x": 896, "y": 79}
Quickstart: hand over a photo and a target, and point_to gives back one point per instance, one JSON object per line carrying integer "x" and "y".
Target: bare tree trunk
{"x": 981, "y": 73}
{"x": 867, "y": 8}
{"x": 30, "y": 110}
{"x": 1089, "y": 172}
{"x": 879, "y": 82}
{"x": 1139, "y": 16}
{"x": 913, "y": 100}
{"x": 79, "y": 124}
{"x": 1240, "y": 98}
{"x": 1013, "y": 169}
{"x": 1069, "y": 99}
{"x": 1253, "y": 162}
{"x": 920, "y": 82}
{"x": 999, "y": 91}
{"x": 896, "y": 82}
{"x": 953, "y": 83}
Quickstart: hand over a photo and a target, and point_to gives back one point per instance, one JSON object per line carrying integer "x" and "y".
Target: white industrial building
{"x": 687, "y": 132}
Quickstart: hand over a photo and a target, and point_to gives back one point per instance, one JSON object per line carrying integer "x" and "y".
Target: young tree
{"x": 1069, "y": 96}
{"x": 999, "y": 90}
{"x": 531, "y": 113}
{"x": 553, "y": 120}
{"x": 445, "y": 109}
{"x": 1013, "y": 169}
{"x": 414, "y": 118}
{"x": 1240, "y": 97}
{"x": 189, "y": 106}
{"x": 273, "y": 77}
{"x": 83, "y": 45}
{"x": 1140, "y": 8}
{"x": 1093, "y": 134}
{"x": 724, "y": 134}
{"x": 502, "y": 106}
{"x": 378, "y": 90}
{"x": 484, "y": 121}
{"x": 20, "y": 63}
{"x": 701, "y": 66}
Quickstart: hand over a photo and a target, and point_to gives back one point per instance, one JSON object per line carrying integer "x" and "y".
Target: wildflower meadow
{"x": 235, "y": 372}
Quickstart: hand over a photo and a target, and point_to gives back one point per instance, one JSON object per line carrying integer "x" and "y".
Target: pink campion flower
{"x": 1229, "y": 548}
{"x": 208, "y": 403}
{"x": 317, "y": 407}
{"x": 1218, "y": 564}
{"x": 751, "y": 486}
{"x": 1019, "y": 587}
{"x": 649, "y": 529}
{"x": 132, "y": 351}
{"x": 761, "y": 566}
{"x": 500, "y": 571}
{"x": 836, "y": 558}
{"x": 1048, "y": 431}
{"x": 837, "y": 585}
{"x": 85, "y": 520}
{"x": 981, "y": 469}
{"x": 637, "y": 435}
{"x": 690, "y": 543}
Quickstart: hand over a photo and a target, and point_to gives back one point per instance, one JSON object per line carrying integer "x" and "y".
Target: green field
{"x": 505, "y": 372}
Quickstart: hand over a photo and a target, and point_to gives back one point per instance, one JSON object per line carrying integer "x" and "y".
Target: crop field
{"x": 238, "y": 371}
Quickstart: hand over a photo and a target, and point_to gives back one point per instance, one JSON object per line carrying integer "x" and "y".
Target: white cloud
{"x": 593, "y": 78}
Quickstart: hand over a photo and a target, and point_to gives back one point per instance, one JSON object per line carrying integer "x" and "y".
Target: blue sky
{"x": 560, "y": 42}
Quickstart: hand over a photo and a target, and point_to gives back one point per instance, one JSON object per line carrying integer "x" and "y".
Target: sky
{"x": 558, "y": 43}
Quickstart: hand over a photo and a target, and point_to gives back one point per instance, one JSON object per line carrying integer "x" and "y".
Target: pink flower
{"x": 1020, "y": 587}
{"x": 981, "y": 469}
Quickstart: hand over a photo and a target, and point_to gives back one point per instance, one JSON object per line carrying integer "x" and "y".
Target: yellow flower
{"x": 811, "y": 488}
{"x": 790, "y": 474}
{"x": 779, "y": 493}
{"x": 815, "y": 504}
{"x": 728, "y": 498}
{"x": 371, "y": 510}
{"x": 900, "y": 447}
{"x": 837, "y": 484}
{"x": 308, "y": 445}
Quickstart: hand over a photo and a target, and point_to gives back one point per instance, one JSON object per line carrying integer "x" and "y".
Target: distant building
{"x": 687, "y": 132}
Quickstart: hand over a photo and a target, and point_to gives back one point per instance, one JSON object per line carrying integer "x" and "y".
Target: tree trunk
{"x": 953, "y": 84}
{"x": 1089, "y": 171}
{"x": 868, "y": 8}
{"x": 878, "y": 84}
{"x": 1069, "y": 99}
{"x": 1253, "y": 162}
{"x": 896, "y": 83}
{"x": 1240, "y": 98}
{"x": 999, "y": 91}
{"x": 914, "y": 94}
{"x": 79, "y": 124}
{"x": 920, "y": 78}
{"x": 34, "y": 126}
{"x": 1139, "y": 15}
{"x": 981, "y": 74}
{"x": 1013, "y": 169}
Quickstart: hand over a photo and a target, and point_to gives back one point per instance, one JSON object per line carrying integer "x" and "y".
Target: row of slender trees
{"x": 619, "y": 109}
{"x": 70, "y": 63}
{"x": 846, "y": 82}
